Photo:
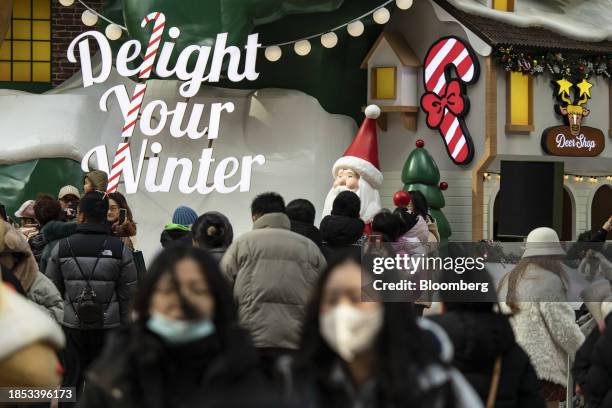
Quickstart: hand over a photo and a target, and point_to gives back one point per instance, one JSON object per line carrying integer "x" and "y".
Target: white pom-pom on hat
{"x": 372, "y": 111}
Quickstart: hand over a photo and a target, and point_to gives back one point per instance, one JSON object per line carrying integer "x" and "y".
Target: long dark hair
{"x": 402, "y": 346}
{"x": 388, "y": 225}
{"x": 419, "y": 203}
{"x": 225, "y": 313}
{"x": 516, "y": 275}
{"x": 122, "y": 203}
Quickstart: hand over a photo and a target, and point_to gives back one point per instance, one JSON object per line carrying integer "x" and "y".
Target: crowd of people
{"x": 275, "y": 317}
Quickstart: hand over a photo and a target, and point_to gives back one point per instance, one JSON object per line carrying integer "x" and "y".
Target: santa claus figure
{"x": 358, "y": 169}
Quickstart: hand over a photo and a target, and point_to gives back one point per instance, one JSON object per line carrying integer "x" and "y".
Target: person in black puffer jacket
{"x": 343, "y": 229}
{"x": 91, "y": 268}
{"x": 301, "y": 213}
{"x": 480, "y": 335}
{"x": 184, "y": 349}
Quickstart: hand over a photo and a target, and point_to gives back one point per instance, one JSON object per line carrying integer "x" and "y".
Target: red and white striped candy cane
{"x": 448, "y": 56}
{"x": 136, "y": 101}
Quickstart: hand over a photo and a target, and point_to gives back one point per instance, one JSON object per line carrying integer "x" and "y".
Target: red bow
{"x": 434, "y": 105}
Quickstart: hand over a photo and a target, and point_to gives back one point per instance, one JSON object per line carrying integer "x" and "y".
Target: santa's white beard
{"x": 369, "y": 196}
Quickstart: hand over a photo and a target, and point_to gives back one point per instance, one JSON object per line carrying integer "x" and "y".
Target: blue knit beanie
{"x": 184, "y": 215}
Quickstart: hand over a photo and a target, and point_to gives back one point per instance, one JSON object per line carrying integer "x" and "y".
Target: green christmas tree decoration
{"x": 420, "y": 173}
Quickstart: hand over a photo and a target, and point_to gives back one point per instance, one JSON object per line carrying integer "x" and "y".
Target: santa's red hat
{"x": 362, "y": 155}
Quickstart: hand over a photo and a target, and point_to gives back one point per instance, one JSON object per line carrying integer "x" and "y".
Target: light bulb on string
{"x": 66, "y": 3}
{"x": 113, "y": 32}
{"x": 403, "y": 4}
{"x": 302, "y": 47}
{"x": 565, "y": 177}
{"x": 593, "y": 179}
{"x": 89, "y": 18}
{"x": 273, "y": 53}
{"x": 381, "y": 16}
{"x": 577, "y": 178}
{"x": 355, "y": 28}
{"x": 329, "y": 40}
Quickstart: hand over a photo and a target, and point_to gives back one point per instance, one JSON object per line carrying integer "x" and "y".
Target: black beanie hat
{"x": 347, "y": 204}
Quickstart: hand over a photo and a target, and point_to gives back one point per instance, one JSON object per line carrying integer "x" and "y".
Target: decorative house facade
{"x": 515, "y": 109}
{"x": 392, "y": 79}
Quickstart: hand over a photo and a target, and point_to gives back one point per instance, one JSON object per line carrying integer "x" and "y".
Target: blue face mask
{"x": 176, "y": 332}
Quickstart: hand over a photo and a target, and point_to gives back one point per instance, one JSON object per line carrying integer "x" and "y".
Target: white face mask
{"x": 349, "y": 331}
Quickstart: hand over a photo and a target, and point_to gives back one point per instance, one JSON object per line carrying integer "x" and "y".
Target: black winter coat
{"x": 599, "y": 236}
{"x": 308, "y": 230}
{"x": 113, "y": 280}
{"x": 137, "y": 369}
{"x": 598, "y": 390}
{"x": 478, "y": 339}
{"x": 582, "y": 363}
{"x": 340, "y": 235}
{"x": 37, "y": 245}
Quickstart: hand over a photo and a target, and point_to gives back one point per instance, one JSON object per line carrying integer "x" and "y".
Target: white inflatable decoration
{"x": 170, "y": 166}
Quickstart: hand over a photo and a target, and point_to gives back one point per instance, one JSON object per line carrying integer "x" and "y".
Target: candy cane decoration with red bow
{"x": 123, "y": 150}
{"x": 450, "y": 64}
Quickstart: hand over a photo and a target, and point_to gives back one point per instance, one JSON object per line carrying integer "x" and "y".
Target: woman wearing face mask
{"x": 367, "y": 354}
{"x": 184, "y": 345}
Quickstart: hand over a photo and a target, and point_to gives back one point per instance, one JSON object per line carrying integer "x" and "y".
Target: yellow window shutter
{"x": 384, "y": 83}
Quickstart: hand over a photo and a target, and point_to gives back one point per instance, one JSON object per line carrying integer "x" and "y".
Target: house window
{"x": 519, "y": 102}
{"x": 25, "y": 54}
{"x": 384, "y": 81}
{"x": 503, "y": 5}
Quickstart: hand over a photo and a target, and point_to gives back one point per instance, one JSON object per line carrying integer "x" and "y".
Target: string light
{"x": 302, "y": 47}
{"x": 403, "y": 4}
{"x": 381, "y": 16}
{"x": 273, "y": 53}
{"x": 355, "y": 29}
{"x": 89, "y": 18}
{"x": 578, "y": 178}
{"x": 113, "y": 32}
{"x": 329, "y": 40}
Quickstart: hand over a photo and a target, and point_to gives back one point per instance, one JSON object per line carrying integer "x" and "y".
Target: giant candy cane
{"x": 450, "y": 65}
{"x": 123, "y": 150}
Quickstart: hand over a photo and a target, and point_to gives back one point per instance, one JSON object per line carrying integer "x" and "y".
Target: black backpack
{"x": 89, "y": 312}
